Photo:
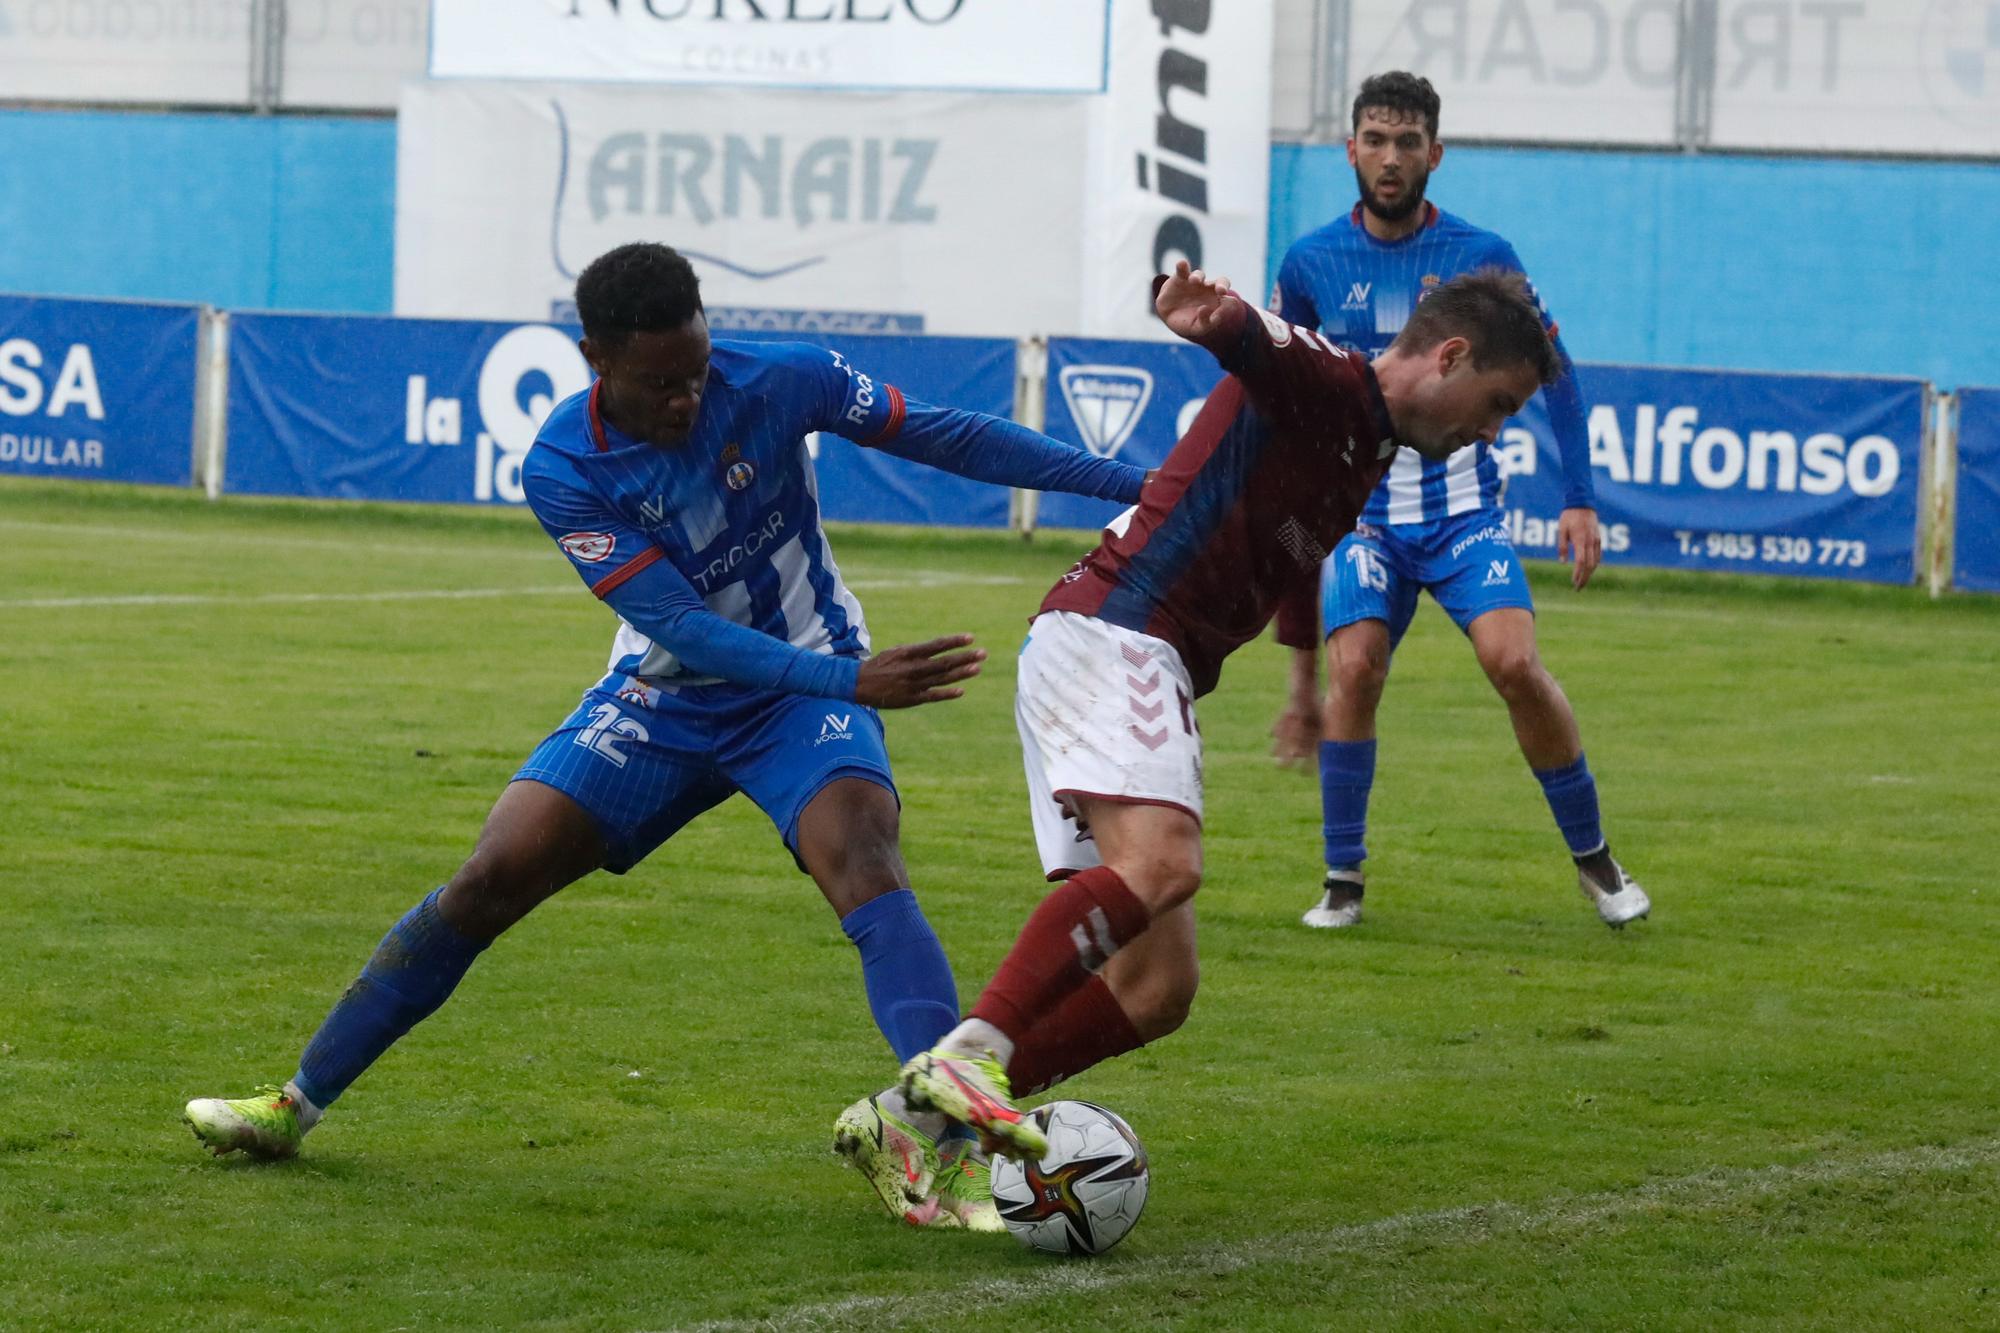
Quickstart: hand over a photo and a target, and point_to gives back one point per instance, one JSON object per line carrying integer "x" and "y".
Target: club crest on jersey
{"x": 739, "y": 476}
{"x": 589, "y": 547}
{"x": 1106, "y": 403}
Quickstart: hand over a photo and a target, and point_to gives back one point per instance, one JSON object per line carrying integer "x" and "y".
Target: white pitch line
{"x": 418, "y": 594}
{"x": 347, "y": 544}
{"x": 1473, "y": 1224}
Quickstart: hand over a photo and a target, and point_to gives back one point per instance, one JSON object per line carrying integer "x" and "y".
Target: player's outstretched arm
{"x": 1005, "y": 453}
{"x": 918, "y": 673}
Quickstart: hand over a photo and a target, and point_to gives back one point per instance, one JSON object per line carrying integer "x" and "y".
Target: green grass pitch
{"x": 238, "y": 740}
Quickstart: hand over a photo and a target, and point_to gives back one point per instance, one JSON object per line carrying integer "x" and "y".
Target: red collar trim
{"x": 597, "y": 419}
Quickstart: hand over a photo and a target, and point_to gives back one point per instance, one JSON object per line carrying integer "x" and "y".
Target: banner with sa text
{"x": 101, "y": 390}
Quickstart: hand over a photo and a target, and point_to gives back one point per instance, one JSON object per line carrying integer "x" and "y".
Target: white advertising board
{"x": 1578, "y": 71}
{"x": 915, "y": 212}
{"x": 1011, "y": 45}
{"x": 1887, "y": 76}
{"x": 1180, "y": 157}
{"x": 352, "y": 54}
{"x": 866, "y": 212}
{"x": 187, "y": 52}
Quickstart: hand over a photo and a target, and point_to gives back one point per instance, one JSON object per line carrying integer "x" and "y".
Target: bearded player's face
{"x": 1393, "y": 156}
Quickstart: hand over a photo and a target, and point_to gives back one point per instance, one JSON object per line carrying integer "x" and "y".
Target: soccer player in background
{"x": 1434, "y": 524}
{"x": 680, "y": 488}
{"x": 1234, "y": 527}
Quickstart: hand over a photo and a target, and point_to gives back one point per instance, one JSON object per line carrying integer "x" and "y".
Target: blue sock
{"x": 903, "y": 967}
{"x": 414, "y": 968}
{"x": 1572, "y": 794}
{"x": 1346, "y": 775}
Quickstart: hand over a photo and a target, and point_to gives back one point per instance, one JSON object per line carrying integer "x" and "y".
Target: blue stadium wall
{"x": 1661, "y": 259}
{"x": 1747, "y": 263}
{"x": 246, "y": 212}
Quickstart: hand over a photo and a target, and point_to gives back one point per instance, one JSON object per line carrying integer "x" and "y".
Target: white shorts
{"x": 1104, "y": 712}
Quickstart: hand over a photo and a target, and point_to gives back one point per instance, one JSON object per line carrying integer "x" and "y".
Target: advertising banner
{"x": 1180, "y": 164}
{"x": 100, "y": 390}
{"x": 1976, "y": 546}
{"x": 1802, "y": 475}
{"x": 969, "y": 45}
{"x": 352, "y": 53}
{"x": 1561, "y": 71}
{"x": 868, "y": 486}
{"x": 126, "y": 51}
{"x": 845, "y": 211}
{"x": 1858, "y": 76}
{"x": 1120, "y": 399}
{"x": 842, "y": 212}
{"x": 446, "y": 410}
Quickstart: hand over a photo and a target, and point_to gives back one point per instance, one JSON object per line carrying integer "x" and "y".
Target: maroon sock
{"x": 1087, "y": 1027}
{"x": 1072, "y": 934}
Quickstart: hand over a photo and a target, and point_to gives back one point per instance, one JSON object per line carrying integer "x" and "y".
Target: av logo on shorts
{"x": 1497, "y": 572}
{"x": 1106, "y": 403}
{"x": 589, "y": 547}
{"x": 836, "y": 727}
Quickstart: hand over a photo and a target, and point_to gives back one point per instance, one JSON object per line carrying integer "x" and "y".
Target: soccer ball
{"x": 1085, "y": 1193}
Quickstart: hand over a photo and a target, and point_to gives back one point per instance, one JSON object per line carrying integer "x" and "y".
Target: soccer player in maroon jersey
{"x": 1273, "y": 472}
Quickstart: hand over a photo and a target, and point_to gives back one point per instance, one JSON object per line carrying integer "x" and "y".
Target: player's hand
{"x": 1295, "y": 733}
{"x": 1577, "y": 531}
{"x": 1191, "y": 303}
{"x": 917, "y": 673}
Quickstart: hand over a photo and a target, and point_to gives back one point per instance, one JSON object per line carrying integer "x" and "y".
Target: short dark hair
{"x": 1495, "y": 310}
{"x": 643, "y": 287}
{"x": 1402, "y": 92}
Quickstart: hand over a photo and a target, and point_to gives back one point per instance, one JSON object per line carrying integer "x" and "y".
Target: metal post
{"x": 1031, "y": 409}
{"x": 267, "y": 54}
{"x": 211, "y": 401}
{"x": 1336, "y": 26}
{"x": 1694, "y": 87}
{"x": 1941, "y": 497}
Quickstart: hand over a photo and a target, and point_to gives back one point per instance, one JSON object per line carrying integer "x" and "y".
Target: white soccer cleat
{"x": 898, "y": 1159}
{"x": 1616, "y": 895}
{"x": 1339, "y": 903}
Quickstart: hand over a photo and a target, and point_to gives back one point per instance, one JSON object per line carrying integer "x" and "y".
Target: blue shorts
{"x": 1467, "y": 563}
{"x": 643, "y": 762}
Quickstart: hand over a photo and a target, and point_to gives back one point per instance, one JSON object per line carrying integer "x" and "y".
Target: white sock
{"x": 976, "y": 1036}
{"x": 308, "y": 1113}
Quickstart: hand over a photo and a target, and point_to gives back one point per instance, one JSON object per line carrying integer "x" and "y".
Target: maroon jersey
{"x": 1271, "y": 475}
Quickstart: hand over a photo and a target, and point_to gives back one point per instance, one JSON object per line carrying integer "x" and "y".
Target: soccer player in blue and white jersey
{"x": 680, "y": 487}
{"x": 1432, "y": 525}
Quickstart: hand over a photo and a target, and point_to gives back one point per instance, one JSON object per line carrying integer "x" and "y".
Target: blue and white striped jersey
{"x": 1360, "y": 291}
{"x": 712, "y": 551}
